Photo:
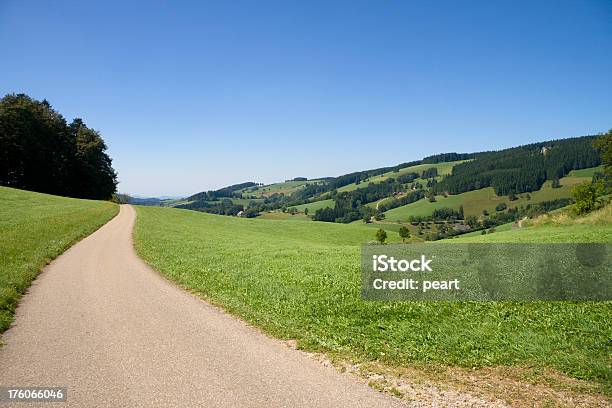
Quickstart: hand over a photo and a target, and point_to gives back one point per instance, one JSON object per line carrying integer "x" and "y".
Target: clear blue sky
{"x": 197, "y": 95}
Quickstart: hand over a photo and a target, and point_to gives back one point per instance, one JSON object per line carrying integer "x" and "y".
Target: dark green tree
{"x": 404, "y": 233}
{"x": 472, "y": 221}
{"x": 604, "y": 145}
{"x": 381, "y": 235}
{"x": 379, "y": 216}
{"x": 94, "y": 176}
{"x": 587, "y": 197}
{"x": 501, "y": 207}
{"x": 40, "y": 152}
{"x": 35, "y": 148}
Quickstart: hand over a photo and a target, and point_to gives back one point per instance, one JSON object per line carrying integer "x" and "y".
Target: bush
{"x": 381, "y": 235}
{"x": 501, "y": 207}
{"x": 587, "y": 197}
{"x": 404, "y": 233}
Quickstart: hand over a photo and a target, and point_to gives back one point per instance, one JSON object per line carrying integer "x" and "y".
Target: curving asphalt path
{"x": 116, "y": 334}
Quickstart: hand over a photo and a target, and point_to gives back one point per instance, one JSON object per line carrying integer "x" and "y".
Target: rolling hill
{"x": 495, "y": 187}
{"x": 443, "y": 169}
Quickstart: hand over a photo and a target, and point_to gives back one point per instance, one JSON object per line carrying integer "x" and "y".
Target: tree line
{"x": 40, "y": 151}
{"x": 224, "y": 206}
{"x": 521, "y": 169}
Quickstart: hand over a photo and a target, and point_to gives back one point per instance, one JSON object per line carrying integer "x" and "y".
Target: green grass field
{"x": 174, "y": 202}
{"x": 474, "y": 202}
{"x": 301, "y": 280}
{"x": 577, "y": 234}
{"x": 586, "y": 172}
{"x": 558, "y": 227}
{"x": 245, "y": 201}
{"x": 35, "y": 229}
{"x": 443, "y": 168}
{"x": 286, "y": 187}
{"x": 500, "y": 228}
{"x": 279, "y": 215}
{"x": 314, "y": 206}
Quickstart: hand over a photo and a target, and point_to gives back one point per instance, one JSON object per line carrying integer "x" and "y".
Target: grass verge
{"x": 35, "y": 229}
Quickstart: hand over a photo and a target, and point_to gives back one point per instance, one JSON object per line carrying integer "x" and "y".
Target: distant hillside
{"x": 464, "y": 191}
{"x": 522, "y": 169}
{"x": 297, "y": 191}
{"x": 145, "y": 201}
{"x": 223, "y": 192}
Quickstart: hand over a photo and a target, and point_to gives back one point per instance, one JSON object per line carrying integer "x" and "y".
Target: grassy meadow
{"x": 443, "y": 169}
{"x": 301, "y": 280}
{"x": 279, "y": 215}
{"x": 286, "y": 187}
{"x": 35, "y": 229}
{"x": 314, "y": 206}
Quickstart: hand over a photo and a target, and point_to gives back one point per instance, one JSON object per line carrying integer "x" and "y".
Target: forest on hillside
{"x": 521, "y": 169}
{"x": 40, "y": 151}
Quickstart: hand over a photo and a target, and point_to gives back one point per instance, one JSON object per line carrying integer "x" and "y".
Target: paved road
{"x": 103, "y": 324}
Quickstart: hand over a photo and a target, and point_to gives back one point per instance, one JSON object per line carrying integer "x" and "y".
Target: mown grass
{"x": 35, "y": 229}
{"x": 301, "y": 280}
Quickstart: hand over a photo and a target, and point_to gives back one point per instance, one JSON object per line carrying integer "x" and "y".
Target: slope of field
{"x": 559, "y": 227}
{"x": 474, "y": 202}
{"x": 35, "y": 229}
{"x": 443, "y": 168}
{"x": 286, "y": 188}
{"x": 279, "y": 215}
{"x": 242, "y": 201}
{"x": 301, "y": 280}
{"x": 314, "y": 206}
